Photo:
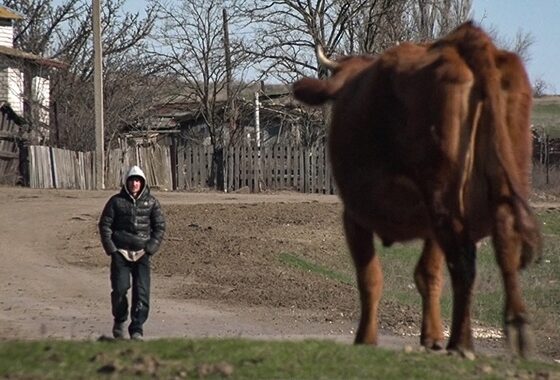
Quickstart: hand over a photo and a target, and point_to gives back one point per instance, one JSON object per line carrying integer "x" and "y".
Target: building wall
{"x": 15, "y": 89}
{"x": 3, "y": 81}
{"x": 40, "y": 96}
{"x": 12, "y": 87}
{"x": 6, "y": 39}
{"x": 6, "y": 33}
{"x": 9, "y": 76}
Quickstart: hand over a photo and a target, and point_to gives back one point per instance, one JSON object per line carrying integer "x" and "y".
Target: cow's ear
{"x": 312, "y": 91}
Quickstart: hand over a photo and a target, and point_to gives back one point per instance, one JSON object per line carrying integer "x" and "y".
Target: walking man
{"x": 131, "y": 227}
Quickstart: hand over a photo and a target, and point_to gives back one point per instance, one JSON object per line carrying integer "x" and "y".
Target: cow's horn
{"x": 323, "y": 60}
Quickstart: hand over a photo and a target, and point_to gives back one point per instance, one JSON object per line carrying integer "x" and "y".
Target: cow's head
{"x": 318, "y": 91}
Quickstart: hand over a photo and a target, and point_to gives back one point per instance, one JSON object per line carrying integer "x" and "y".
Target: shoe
{"x": 136, "y": 336}
{"x": 118, "y": 330}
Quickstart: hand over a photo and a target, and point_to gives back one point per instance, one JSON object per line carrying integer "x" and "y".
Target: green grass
{"x": 295, "y": 261}
{"x": 541, "y": 282}
{"x": 546, "y": 114}
{"x": 550, "y": 224}
{"x": 245, "y": 359}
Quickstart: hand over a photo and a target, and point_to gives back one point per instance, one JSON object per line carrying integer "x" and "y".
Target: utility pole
{"x": 258, "y": 141}
{"x": 227, "y": 56}
{"x": 232, "y": 111}
{"x": 230, "y": 103}
{"x": 98, "y": 88}
{"x": 257, "y": 120}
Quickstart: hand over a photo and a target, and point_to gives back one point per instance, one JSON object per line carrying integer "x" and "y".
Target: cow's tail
{"x": 479, "y": 52}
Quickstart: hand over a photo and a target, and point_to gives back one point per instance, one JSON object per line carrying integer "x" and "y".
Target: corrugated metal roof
{"x": 4, "y": 50}
{"x": 8, "y": 13}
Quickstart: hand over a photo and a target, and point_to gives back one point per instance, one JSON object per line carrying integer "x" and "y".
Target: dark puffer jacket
{"x": 132, "y": 224}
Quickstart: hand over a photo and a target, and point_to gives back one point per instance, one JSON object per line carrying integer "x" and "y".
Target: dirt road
{"x": 43, "y": 296}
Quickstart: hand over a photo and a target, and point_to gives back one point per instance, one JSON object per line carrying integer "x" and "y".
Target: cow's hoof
{"x": 442, "y": 351}
{"x": 437, "y": 346}
{"x": 462, "y": 352}
{"x": 433, "y": 345}
{"x": 367, "y": 341}
{"x": 520, "y": 339}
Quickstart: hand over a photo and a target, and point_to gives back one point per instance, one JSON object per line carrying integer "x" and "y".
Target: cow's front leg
{"x": 508, "y": 248}
{"x": 429, "y": 281}
{"x": 369, "y": 278}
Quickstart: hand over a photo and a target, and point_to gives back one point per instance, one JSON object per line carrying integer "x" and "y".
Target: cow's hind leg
{"x": 508, "y": 246}
{"x": 462, "y": 270}
{"x": 429, "y": 281}
{"x": 369, "y": 278}
{"x": 460, "y": 256}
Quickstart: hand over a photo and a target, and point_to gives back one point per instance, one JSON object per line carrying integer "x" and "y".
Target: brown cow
{"x": 433, "y": 142}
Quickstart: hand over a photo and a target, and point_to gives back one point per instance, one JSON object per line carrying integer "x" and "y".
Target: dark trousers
{"x": 121, "y": 272}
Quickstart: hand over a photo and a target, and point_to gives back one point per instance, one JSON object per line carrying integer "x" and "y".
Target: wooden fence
{"x": 61, "y": 169}
{"x": 155, "y": 161}
{"x": 65, "y": 169}
{"x": 280, "y": 167}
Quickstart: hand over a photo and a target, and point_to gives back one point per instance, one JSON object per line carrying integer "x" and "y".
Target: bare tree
{"x": 376, "y": 27}
{"x": 520, "y": 44}
{"x": 430, "y": 19}
{"x": 380, "y": 24}
{"x": 190, "y": 41}
{"x": 288, "y": 31}
{"x": 541, "y": 87}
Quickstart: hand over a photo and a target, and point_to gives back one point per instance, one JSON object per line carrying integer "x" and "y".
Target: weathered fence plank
{"x": 40, "y": 174}
{"x": 301, "y": 169}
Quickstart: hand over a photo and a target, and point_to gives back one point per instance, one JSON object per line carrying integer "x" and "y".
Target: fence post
{"x": 547, "y": 157}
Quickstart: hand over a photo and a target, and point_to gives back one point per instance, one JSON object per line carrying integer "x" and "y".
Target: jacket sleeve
{"x": 157, "y": 226}
{"x": 106, "y": 227}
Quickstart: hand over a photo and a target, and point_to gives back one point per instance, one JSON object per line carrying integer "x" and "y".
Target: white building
{"x": 24, "y": 77}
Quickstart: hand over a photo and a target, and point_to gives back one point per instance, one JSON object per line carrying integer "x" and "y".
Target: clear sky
{"x": 541, "y": 18}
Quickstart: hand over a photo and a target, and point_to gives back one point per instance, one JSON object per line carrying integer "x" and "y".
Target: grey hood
{"x": 135, "y": 171}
